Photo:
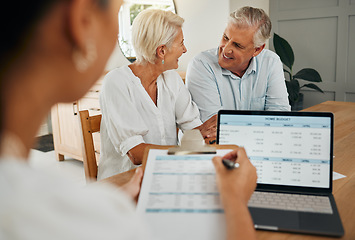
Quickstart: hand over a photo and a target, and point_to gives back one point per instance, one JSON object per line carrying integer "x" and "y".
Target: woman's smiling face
{"x": 173, "y": 54}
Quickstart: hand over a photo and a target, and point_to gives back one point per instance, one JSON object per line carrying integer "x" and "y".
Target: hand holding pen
{"x": 240, "y": 182}
{"x": 236, "y": 185}
{"x": 229, "y": 164}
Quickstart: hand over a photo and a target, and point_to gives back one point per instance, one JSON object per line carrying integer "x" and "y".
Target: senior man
{"x": 240, "y": 74}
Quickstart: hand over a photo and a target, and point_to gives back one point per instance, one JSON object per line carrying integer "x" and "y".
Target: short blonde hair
{"x": 152, "y": 28}
{"x": 253, "y": 17}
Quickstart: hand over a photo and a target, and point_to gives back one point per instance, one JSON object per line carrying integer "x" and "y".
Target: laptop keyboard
{"x": 290, "y": 202}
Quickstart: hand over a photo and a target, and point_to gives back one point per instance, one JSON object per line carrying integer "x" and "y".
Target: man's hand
{"x": 209, "y": 128}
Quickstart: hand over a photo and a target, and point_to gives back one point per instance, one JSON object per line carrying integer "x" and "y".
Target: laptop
{"x": 293, "y": 155}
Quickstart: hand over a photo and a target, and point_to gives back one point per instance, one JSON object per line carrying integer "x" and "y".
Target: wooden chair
{"x": 182, "y": 75}
{"x": 89, "y": 125}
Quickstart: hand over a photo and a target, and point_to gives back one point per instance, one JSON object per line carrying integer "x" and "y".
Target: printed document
{"x": 179, "y": 198}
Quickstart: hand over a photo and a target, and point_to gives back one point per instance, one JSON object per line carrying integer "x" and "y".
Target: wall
{"x": 321, "y": 33}
{"x": 205, "y": 21}
{"x": 263, "y": 4}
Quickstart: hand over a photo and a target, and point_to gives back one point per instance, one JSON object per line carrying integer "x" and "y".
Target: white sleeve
{"x": 124, "y": 124}
{"x": 39, "y": 206}
{"x": 186, "y": 111}
{"x": 99, "y": 212}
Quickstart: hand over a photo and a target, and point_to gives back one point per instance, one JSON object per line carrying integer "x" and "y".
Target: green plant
{"x": 285, "y": 52}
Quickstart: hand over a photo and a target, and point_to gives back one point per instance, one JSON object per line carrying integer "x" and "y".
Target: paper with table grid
{"x": 179, "y": 197}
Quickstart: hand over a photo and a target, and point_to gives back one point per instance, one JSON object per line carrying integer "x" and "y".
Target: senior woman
{"x": 144, "y": 102}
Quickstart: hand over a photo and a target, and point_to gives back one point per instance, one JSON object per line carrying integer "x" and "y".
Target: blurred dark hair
{"x": 17, "y": 24}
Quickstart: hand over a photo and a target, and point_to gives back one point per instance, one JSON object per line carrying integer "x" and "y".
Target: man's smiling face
{"x": 237, "y": 48}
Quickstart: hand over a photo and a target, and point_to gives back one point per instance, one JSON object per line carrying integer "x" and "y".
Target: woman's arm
{"x": 235, "y": 187}
{"x": 136, "y": 153}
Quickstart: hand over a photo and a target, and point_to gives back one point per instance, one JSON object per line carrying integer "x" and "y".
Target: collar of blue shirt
{"x": 251, "y": 69}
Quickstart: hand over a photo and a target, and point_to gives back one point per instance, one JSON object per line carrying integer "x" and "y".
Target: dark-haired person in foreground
{"x": 53, "y": 52}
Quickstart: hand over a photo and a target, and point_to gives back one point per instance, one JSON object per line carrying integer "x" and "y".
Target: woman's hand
{"x": 238, "y": 183}
{"x": 235, "y": 187}
{"x": 133, "y": 187}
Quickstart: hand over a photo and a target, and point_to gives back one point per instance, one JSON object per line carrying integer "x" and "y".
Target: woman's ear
{"x": 83, "y": 29}
{"x": 161, "y": 51}
{"x": 81, "y": 23}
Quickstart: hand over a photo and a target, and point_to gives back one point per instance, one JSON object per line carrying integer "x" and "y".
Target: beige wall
{"x": 205, "y": 21}
{"x": 263, "y": 4}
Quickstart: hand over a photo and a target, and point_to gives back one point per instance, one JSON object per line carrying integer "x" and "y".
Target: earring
{"x": 162, "y": 61}
{"x": 83, "y": 61}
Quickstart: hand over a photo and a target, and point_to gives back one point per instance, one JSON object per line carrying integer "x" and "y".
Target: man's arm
{"x": 235, "y": 187}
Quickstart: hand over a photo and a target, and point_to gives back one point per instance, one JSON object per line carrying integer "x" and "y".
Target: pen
{"x": 229, "y": 164}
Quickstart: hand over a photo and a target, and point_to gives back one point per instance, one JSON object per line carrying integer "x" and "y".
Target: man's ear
{"x": 80, "y": 22}
{"x": 258, "y": 50}
{"x": 161, "y": 51}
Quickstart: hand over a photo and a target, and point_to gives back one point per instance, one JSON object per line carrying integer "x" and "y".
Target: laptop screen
{"x": 287, "y": 148}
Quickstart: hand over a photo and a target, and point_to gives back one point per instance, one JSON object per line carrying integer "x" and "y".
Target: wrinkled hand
{"x": 238, "y": 183}
{"x": 209, "y": 128}
{"x": 133, "y": 187}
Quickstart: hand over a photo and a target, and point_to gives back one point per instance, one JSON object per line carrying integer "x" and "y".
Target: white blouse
{"x": 130, "y": 117}
{"x": 36, "y": 205}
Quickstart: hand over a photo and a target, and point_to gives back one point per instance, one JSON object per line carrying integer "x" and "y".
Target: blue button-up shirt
{"x": 262, "y": 87}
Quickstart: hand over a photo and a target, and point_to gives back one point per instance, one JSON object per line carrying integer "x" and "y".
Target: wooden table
{"x": 344, "y": 163}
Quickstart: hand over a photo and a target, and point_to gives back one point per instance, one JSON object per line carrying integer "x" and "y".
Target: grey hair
{"x": 253, "y": 17}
